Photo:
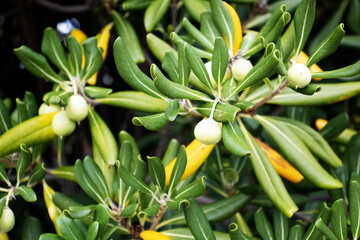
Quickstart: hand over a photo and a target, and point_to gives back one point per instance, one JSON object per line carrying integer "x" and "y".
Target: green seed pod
{"x": 240, "y": 68}
{"x": 299, "y": 76}
{"x": 62, "y": 125}
{"x": 7, "y": 220}
{"x": 44, "y": 108}
{"x": 208, "y": 131}
{"x": 77, "y": 108}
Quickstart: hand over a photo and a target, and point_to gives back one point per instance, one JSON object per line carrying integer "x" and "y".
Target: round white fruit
{"x": 240, "y": 68}
{"x": 77, "y": 108}
{"x": 62, "y": 125}
{"x": 209, "y": 71}
{"x": 7, "y": 220}
{"x": 208, "y": 131}
{"x": 45, "y": 109}
{"x": 299, "y": 76}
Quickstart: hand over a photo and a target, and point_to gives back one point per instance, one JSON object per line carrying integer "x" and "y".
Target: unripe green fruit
{"x": 7, "y": 220}
{"x": 240, "y": 68}
{"x": 45, "y": 109}
{"x": 299, "y": 76}
{"x": 62, "y": 125}
{"x": 77, "y": 108}
{"x": 208, "y": 131}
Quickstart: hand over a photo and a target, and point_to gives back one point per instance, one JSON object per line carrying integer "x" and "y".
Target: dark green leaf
{"x": 64, "y": 202}
{"x": 220, "y": 60}
{"x": 22, "y": 113}
{"x": 197, "y": 222}
{"x": 129, "y": 210}
{"x": 263, "y": 225}
{"x": 185, "y": 233}
{"x": 223, "y": 112}
{"x": 354, "y": 206}
{"x": 171, "y": 152}
{"x": 151, "y": 122}
{"x": 281, "y": 225}
{"x": 3, "y": 175}
{"x": 31, "y": 105}
{"x": 79, "y": 212}
{"x": 95, "y": 174}
{"x": 50, "y": 236}
{"x": 296, "y": 232}
{"x": 101, "y": 215}
{"x": 156, "y": 171}
{"x": 133, "y": 181}
{"x": 196, "y": 8}
{"x": 170, "y": 65}
{"x": 349, "y": 71}
{"x": 22, "y": 163}
{"x": 75, "y": 56}
{"x": 323, "y": 228}
{"x": 129, "y": 5}
{"x": 154, "y": 13}
{"x": 198, "y": 36}
{"x": 32, "y": 228}
{"x": 183, "y": 65}
{"x": 236, "y": 233}
{"x": 234, "y": 139}
{"x": 5, "y": 122}
{"x": 66, "y": 173}
{"x": 93, "y": 58}
{"x": 172, "y": 110}
{"x": 68, "y": 228}
{"x": 338, "y": 219}
{"x": 97, "y": 92}
{"x": 27, "y": 193}
{"x": 92, "y": 231}
{"x": 52, "y": 48}
{"x": 335, "y": 126}
{"x": 193, "y": 190}
{"x": 208, "y": 27}
{"x": 178, "y": 170}
{"x": 313, "y": 233}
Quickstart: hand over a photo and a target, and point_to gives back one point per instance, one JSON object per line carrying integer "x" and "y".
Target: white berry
{"x": 208, "y": 131}
{"x": 62, "y": 125}
{"x": 77, "y": 108}
{"x": 240, "y": 68}
{"x": 7, "y": 220}
{"x": 299, "y": 76}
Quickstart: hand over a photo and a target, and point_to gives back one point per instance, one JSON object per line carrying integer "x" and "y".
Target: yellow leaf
{"x": 79, "y": 35}
{"x": 320, "y": 123}
{"x": 54, "y": 211}
{"x": 196, "y": 153}
{"x": 237, "y": 28}
{"x": 4, "y": 236}
{"x": 303, "y": 58}
{"x": 282, "y": 167}
{"x": 152, "y": 235}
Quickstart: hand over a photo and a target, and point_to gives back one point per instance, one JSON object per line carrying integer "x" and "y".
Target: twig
{"x": 158, "y": 217}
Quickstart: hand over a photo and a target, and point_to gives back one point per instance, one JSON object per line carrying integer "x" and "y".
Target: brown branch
{"x": 269, "y": 97}
{"x": 87, "y": 6}
{"x": 158, "y": 217}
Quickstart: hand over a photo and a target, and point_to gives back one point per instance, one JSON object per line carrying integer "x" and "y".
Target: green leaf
{"x": 129, "y": 5}
{"x": 178, "y": 170}
{"x": 271, "y": 23}
{"x": 263, "y": 225}
{"x": 5, "y": 122}
{"x": 236, "y": 233}
{"x": 352, "y": 154}
{"x": 131, "y": 73}
{"x": 156, "y": 171}
{"x": 172, "y": 110}
{"x": 131, "y": 179}
{"x": 50, "y": 236}
{"x": 22, "y": 163}
{"x": 223, "y": 112}
{"x": 125, "y": 136}
{"x": 95, "y": 174}
{"x": 158, "y": 47}
{"x": 151, "y": 122}
{"x": 3, "y": 175}
{"x": 223, "y": 21}
{"x": 338, "y": 219}
{"x": 97, "y": 92}
{"x": 268, "y": 177}
{"x": 32, "y": 228}
{"x": 220, "y": 61}
{"x": 353, "y": 16}
{"x": 197, "y": 66}
{"x": 175, "y": 90}
{"x": 154, "y": 13}
{"x": 234, "y": 139}
{"x": 327, "y": 46}
{"x": 313, "y": 140}
{"x": 27, "y": 193}
{"x": 68, "y": 228}
{"x": 22, "y": 114}
{"x": 102, "y": 137}
{"x": 86, "y": 183}
{"x": 185, "y": 233}
{"x": 128, "y": 34}
{"x": 37, "y": 64}
{"x": 79, "y": 212}
{"x": 75, "y": 56}
{"x": 349, "y": 71}
{"x": 298, "y": 154}
{"x": 101, "y": 215}
{"x": 2, "y": 204}
{"x": 92, "y": 231}
{"x": 335, "y": 126}
{"x": 281, "y": 225}
{"x": 170, "y": 65}
{"x": 296, "y": 232}
{"x": 175, "y": 204}
{"x": 93, "y": 58}
{"x": 308, "y": 90}
{"x": 354, "y": 206}
{"x": 193, "y": 190}
{"x": 37, "y": 174}
{"x": 134, "y": 100}
{"x": 198, "y": 36}
{"x": 323, "y": 228}
{"x": 129, "y": 210}
{"x": 215, "y": 212}
{"x": 208, "y": 27}
{"x": 31, "y": 105}
{"x": 66, "y": 173}
{"x": 196, "y": 8}
{"x": 171, "y": 152}
{"x": 52, "y": 48}
{"x": 304, "y": 19}
{"x": 183, "y": 65}
{"x": 313, "y": 233}
{"x": 197, "y": 222}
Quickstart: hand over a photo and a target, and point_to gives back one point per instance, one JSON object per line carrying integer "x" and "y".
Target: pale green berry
{"x": 299, "y": 76}
{"x": 208, "y": 69}
{"x": 45, "y": 109}
{"x": 240, "y": 68}
{"x": 62, "y": 125}
{"x": 208, "y": 131}
{"x": 7, "y": 220}
{"x": 77, "y": 108}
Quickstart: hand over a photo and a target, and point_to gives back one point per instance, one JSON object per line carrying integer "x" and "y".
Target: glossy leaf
{"x": 154, "y": 13}
{"x": 313, "y": 233}
{"x": 197, "y": 222}
{"x": 327, "y": 46}
{"x": 37, "y": 64}
{"x": 170, "y": 65}
{"x": 196, "y": 8}
{"x": 304, "y": 19}
{"x": 22, "y": 163}
{"x": 296, "y": 232}
{"x": 234, "y": 139}
{"x": 152, "y": 122}
{"x": 159, "y": 47}
{"x": 185, "y": 233}
{"x": 354, "y": 206}
{"x": 31, "y": 105}
{"x": 93, "y": 58}
{"x": 75, "y": 56}
{"x": 352, "y": 153}
{"x": 26, "y": 193}
{"x": 66, "y": 172}
{"x": 263, "y": 225}
{"x": 135, "y": 4}
{"x": 171, "y": 152}
{"x": 192, "y": 190}
{"x": 134, "y": 100}
{"x": 102, "y": 137}
{"x": 52, "y": 48}
{"x": 338, "y": 219}
{"x": 5, "y": 122}
{"x": 220, "y": 60}
{"x": 236, "y": 234}
{"x": 101, "y": 216}
{"x": 32, "y": 228}
{"x": 131, "y": 73}
{"x": 50, "y": 236}
{"x": 223, "y": 112}
{"x": 348, "y": 71}
{"x": 197, "y": 35}
{"x": 68, "y": 228}
{"x": 22, "y": 114}
{"x": 208, "y": 27}
{"x": 95, "y": 174}
{"x": 281, "y": 225}
{"x": 178, "y": 170}
{"x": 156, "y": 171}
{"x": 92, "y": 231}
{"x": 172, "y": 110}
{"x": 270, "y": 24}
{"x": 335, "y": 126}
{"x": 125, "y": 136}
{"x": 175, "y": 90}
{"x": 323, "y": 228}
{"x": 183, "y": 65}
{"x": 128, "y": 34}
{"x": 3, "y": 175}
{"x": 133, "y": 181}
{"x": 97, "y": 92}
{"x": 268, "y": 177}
